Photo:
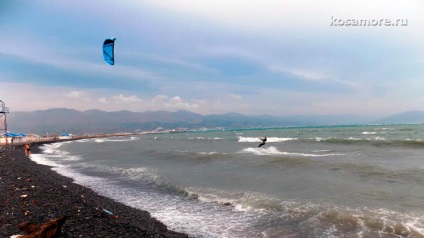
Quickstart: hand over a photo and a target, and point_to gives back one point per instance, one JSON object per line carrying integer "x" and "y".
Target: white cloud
{"x": 173, "y": 103}
{"x": 74, "y": 94}
{"x": 312, "y": 74}
{"x": 102, "y": 100}
{"x": 301, "y": 73}
{"x": 121, "y": 99}
{"x": 184, "y": 63}
{"x": 237, "y": 97}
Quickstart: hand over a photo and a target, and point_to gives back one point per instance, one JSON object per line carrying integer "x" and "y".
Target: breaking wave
{"x": 269, "y": 139}
{"x": 274, "y": 151}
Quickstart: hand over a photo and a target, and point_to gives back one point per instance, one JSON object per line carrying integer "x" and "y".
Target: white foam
{"x": 40, "y": 159}
{"x": 384, "y": 128}
{"x": 102, "y": 140}
{"x": 208, "y": 153}
{"x": 196, "y": 138}
{"x": 51, "y": 148}
{"x": 212, "y": 195}
{"x": 416, "y": 140}
{"x": 274, "y": 151}
{"x": 144, "y": 173}
{"x": 269, "y": 139}
{"x": 369, "y": 133}
{"x": 179, "y": 214}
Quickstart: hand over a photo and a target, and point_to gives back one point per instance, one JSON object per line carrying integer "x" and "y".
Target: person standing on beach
{"x": 27, "y": 149}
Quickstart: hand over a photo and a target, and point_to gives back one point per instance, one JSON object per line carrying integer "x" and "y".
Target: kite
{"x": 108, "y": 53}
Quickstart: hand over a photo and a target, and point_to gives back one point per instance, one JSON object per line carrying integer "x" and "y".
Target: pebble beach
{"x": 30, "y": 192}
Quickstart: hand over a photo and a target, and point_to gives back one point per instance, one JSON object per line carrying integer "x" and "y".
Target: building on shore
{"x": 19, "y": 138}
{"x": 65, "y": 136}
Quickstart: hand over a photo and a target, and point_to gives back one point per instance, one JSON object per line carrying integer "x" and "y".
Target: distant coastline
{"x": 44, "y": 140}
{"x": 94, "y": 122}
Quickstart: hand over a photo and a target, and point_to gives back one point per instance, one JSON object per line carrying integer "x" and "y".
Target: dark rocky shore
{"x": 34, "y": 193}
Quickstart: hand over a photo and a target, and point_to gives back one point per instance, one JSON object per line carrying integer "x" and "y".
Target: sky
{"x": 286, "y": 57}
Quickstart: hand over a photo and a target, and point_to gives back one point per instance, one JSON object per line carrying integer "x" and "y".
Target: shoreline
{"x": 31, "y": 192}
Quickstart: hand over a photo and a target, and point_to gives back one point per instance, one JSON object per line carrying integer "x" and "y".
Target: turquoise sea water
{"x": 345, "y": 181}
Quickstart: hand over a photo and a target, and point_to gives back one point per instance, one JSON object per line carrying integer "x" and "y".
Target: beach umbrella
{"x": 10, "y": 134}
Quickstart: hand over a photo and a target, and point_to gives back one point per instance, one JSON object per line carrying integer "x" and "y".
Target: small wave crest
{"x": 369, "y": 133}
{"x": 269, "y": 139}
{"x": 41, "y": 159}
{"x": 52, "y": 156}
{"x": 209, "y": 153}
{"x": 376, "y": 141}
{"x": 206, "y": 138}
{"x": 102, "y": 140}
{"x": 274, "y": 151}
{"x": 50, "y": 148}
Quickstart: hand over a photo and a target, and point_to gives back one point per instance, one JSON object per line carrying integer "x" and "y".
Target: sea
{"x": 329, "y": 181}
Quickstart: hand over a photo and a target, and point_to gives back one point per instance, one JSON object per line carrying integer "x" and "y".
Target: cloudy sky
{"x": 277, "y": 57}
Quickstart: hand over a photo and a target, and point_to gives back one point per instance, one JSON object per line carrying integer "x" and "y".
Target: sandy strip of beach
{"x": 30, "y": 192}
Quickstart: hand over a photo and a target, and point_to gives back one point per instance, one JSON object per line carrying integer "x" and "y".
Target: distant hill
{"x": 404, "y": 117}
{"x": 58, "y": 120}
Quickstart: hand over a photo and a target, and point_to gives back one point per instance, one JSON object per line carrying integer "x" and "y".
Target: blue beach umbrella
{"x": 10, "y": 134}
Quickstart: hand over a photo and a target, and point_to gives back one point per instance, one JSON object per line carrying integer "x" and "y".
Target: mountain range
{"x": 59, "y": 120}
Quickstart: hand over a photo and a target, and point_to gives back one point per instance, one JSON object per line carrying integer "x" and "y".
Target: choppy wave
{"x": 377, "y": 141}
{"x": 414, "y": 175}
{"x": 373, "y": 177}
{"x": 177, "y": 209}
{"x": 306, "y": 219}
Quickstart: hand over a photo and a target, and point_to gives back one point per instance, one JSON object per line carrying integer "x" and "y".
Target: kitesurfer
{"x": 263, "y": 142}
